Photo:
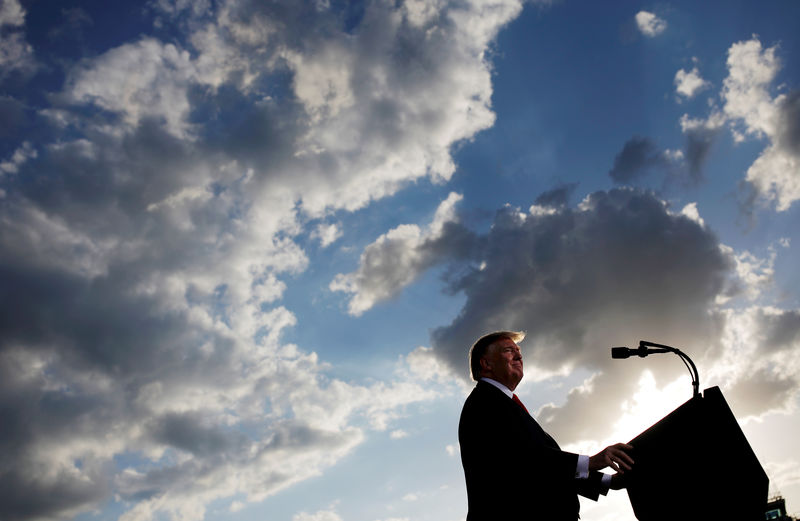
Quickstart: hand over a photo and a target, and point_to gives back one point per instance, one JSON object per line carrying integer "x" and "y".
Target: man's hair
{"x": 481, "y": 345}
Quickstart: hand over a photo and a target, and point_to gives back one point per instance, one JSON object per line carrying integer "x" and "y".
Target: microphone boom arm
{"x": 643, "y": 344}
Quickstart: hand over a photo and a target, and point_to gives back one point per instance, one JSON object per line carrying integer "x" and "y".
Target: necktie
{"x": 519, "y": 402}
{"x": 549, "y": 438}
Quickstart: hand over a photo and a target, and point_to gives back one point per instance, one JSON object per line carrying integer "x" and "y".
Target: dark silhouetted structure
{"x": 776, "y": 510}
{"x": 696, "y": 464}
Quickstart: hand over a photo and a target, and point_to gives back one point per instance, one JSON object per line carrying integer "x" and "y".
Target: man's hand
{"x": 614, "y": 456}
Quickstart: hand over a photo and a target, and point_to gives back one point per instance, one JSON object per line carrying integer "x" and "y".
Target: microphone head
{"x": 620, "y": 352}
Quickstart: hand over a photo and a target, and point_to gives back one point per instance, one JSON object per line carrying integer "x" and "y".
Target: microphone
{"x": 620, "y": 352}
{"x": 643, "y": 350}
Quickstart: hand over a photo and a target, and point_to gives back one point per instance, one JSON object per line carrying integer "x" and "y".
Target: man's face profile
{"x": 503, "y": 363}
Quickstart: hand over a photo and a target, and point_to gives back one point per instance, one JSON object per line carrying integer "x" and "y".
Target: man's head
{"x": 497, "y": 356}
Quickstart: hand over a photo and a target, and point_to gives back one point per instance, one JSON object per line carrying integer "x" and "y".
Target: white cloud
{"x": 539, "y": 211}
{"x": 323, "y": 81}
{"x": 674, "y": 155}
{"x": 307, "y": 431}
{"x": 776, "y": 176}
{"x": 321, "y": 515}
{"x": 690, "y": 211}
{"x": 19, "y": 157}
{"x": 753, "y": 272}
{"x": 712, "y": 123}
{"x": 394, "y": 260}
{"x": 776, "y": 173}
{"x": 146, "y": 79}
{"x": 11, "y": 14}
{"x": 424, "y": 364}
{"x": 689, "y": 83}
{"x": 750, "y": 110}
{"x": 344, "y": 154}
{"x": 751, "y": 69}
{"x": 252, "y": 473}
{"x": 15, "y": 52}
{"x": 649, "y": 24}
{"x": 327, "y": 233}
{"x": 445, "y": 103}
{"x": 421, "y": 12}
{"x": 174, "y": 7}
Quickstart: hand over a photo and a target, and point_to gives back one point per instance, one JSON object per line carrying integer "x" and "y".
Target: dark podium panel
{"x": 696, "y": 464}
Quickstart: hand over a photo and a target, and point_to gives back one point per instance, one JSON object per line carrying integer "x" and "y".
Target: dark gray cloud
{"x": 91, "y": 325}
{"x": 36, "y": 421}
{"x": 189, "y": 432}
{"x": 699, "y": 142}
{"x": 637, "y": 158}
{"x": 557, "y": 197}
{"x": 25, "y": 497}
{"x": 621, "y": 258}
{"x": 618, "y": 269}
{"x": 789, "y": 124}
{"x": 758, "y": 391}
{"x": 580, "y": 417}
{"x": 780, "y": 330}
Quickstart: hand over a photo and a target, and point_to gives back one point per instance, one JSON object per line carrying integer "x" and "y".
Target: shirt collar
{"x": 500, "y": 386}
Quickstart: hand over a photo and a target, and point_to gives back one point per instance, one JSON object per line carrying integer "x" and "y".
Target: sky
{"x": 245, "y": 246}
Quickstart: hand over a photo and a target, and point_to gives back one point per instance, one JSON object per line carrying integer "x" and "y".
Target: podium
{"x": 696, "y": 464}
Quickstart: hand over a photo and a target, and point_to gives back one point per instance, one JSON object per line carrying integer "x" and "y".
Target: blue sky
{"x": 245, "y": 246}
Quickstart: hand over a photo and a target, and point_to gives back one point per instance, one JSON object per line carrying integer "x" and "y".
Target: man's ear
{"x": 485, "y": 365}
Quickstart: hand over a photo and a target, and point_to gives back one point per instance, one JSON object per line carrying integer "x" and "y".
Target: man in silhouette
{"x": 514, "y": 470}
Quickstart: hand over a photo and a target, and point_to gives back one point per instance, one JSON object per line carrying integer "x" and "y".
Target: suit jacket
{"x": 514, "y": 470}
